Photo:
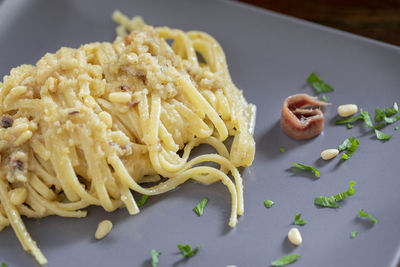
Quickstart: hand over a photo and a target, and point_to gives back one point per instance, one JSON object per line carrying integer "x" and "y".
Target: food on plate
{"x": 285, "y": 260}
{"x": 347, "y": 110}
{"x": 306, "y": 168}
{"x": 301, "y": 116}
{"x": 330, "y": 153}
{"x": 103, "y": 229}
{"x": 86, "y": 126}
{"x": 294, "y": 236}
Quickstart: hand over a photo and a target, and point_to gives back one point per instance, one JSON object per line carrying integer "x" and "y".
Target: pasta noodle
{"x": 88, "y": 126}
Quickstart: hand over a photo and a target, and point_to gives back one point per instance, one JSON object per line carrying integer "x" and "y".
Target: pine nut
{"x": 294, "y": 236}
{"x": 18, "y": 195}
{"x": 103, "y": 229}
{"x": 328, "y": 154}
{"x": 106, "y": 118}
{"x": 347, "y": 110}
{"x": 119, "y": 97}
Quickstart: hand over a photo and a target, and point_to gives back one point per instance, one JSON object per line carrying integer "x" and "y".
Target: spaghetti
{"x": 88, "y": 126}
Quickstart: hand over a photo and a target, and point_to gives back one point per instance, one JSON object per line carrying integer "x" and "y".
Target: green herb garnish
{"x": 384, "y": 115}
{"x": 285, "y": 260}
{"x": 200, "y": 206}
{"x": 350, "y": 145}
{"x": 327, "y": 202}
{"x": 394, "y": 110}
{"x": 319, "y": 85}
{"x": 282, "y": 150}
{"x": 392, "y": 119}
{"x": 187, "y": 251}
{"x": 367, "y": 119}
{"x": 364, "y": 214}
{"x": 349, "y": 120}
{"x": 331, "y": 201}
{"x": 154, "y": 257}
{"x": 142, "y": 200}
{"x": 324, "y": 98}
{"x": 3, "y": 264}
{"x": 382, "y": 136}
{"x": 268, "y": 203}
{"x": 349, "y": 126}
{"x": 307, "y": 168}
{"x": 298, "y": 221}
{"x": 353, "y": 234}
{"x": 396, "y": 128}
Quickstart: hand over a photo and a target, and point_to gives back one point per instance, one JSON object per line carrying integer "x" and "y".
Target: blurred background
{"x": 376, "y": 19}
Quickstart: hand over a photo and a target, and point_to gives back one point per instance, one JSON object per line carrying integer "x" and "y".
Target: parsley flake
{"x": 282, "y": 150}
{"x": 367, "y": 119}
{"x": 392, "y": 119}
{"x": 268, "y": 203}
{"x": 307, "y": 168}
{"x": 350, "y": 144}
{"x": 154, "y": 257}
{"x": 331, "y": 201}
{"x": 385, "y": 115}
{"x": 349, "y": 126}
{"x": 285, "y": 260}
{"x": 396, "y": 128}
{"x": 327, "y": 202}
{"x": 142, "y": 200}
{"x": 187, "y": 251}
{"x": 324, "y": 98}
{"x": 382, "y": 136}
{"x": 353, "y": 234}
{"x": 349, "y": 120}
{"x": 200, "y": 206}
{"x": 3, "y": 264}
{"x": 364, "y": 214}
{"x": 298, "y": 221}
{"x": 319, "y": 85}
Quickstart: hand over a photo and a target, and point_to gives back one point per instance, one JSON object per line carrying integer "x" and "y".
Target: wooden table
{"x": 376, "y": 19}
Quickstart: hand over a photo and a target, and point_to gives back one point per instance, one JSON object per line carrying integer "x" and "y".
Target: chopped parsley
{"x": 282, "y": 150}
{"x": 349, "y": 126}
{"x": 200, "y": 206}
{"x": 327, "y": 202}
{"x": 353, "y": 234}
{"x": 319, "y": 85}
{"x": 307, "y": 168}
{"x": 349, "y": 120}
{"x": 392, "y": 119}
{"x": 324, "y": 98}
{"x": 268, "y": 203}
{"x": 142, "y": 200}
{"x": 396, "y": 128}
{"x": 285, "y": 260}
{"x": 364, "y": 214}
{"x": 331, "y": 201}
{"x": 380, "y": 114}
{"x": 386, "y": 115}
{"x": 187, "y": 251}
{"x": 382, "y": 136}
{"x": 350, "y": 145}
{"x": 3, "y": 264}
{"x": 367, "y": 119}
{"x": 298, "y": 221}
{"x": 154, "y": 257}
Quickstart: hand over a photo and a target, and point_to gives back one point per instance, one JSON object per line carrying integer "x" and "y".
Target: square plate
{"x": 270, "y": 57}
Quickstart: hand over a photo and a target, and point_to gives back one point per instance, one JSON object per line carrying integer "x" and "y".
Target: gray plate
{"x": 270, "y": 57}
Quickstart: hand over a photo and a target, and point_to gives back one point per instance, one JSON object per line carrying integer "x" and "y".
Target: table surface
{"x": 379, "y": 20}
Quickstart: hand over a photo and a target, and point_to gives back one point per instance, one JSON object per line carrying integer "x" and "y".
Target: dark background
{"x": 379, "y": 20}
